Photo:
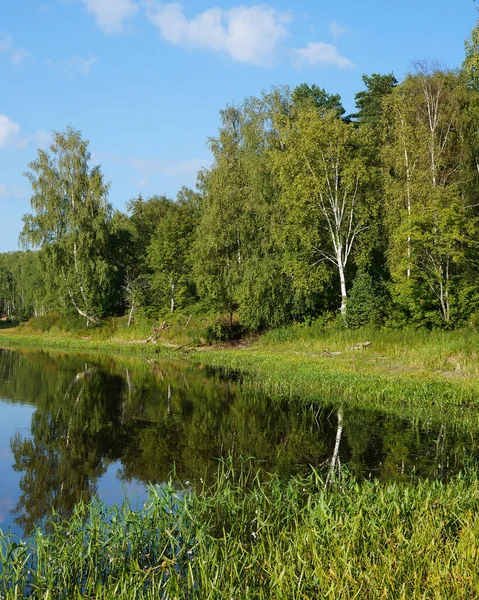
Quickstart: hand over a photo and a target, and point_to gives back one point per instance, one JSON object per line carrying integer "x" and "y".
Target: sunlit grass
{"x": 423, "y": 350}
{"x": 411, "y": 373}
{"x": 451, "y": 354}
{"x": 248, "y": 538}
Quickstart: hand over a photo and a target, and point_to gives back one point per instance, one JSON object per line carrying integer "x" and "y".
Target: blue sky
{"x": 145, "y": 80}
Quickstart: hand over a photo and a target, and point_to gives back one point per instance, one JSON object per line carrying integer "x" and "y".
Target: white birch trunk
{"x": 132, "y": 311}
{"x": 335, "y": 461}
{"x": 342, "y": 280}
{"x": 172, "y": 303}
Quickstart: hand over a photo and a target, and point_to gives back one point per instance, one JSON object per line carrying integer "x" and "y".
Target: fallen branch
{"x": 180, "y": 347}
{"x": 327, "y": 354}
{"x": 187, "y": 322}
{"x": 157, "y": 332}
{"x": 360, "y": 345}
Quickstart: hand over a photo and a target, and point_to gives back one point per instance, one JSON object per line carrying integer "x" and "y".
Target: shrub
{"x": 367, "y": 302}
{"x": 55, "y": 322}
{"x": 44, "y": 322}
{"x": 223, "y": 330}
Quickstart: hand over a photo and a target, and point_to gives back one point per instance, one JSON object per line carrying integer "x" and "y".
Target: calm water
{"x": 72, "y": 427}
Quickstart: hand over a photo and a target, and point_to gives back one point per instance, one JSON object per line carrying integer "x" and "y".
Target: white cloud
{"x": 40, "y": 139}
{"x": 11, "y": 136}
{"x": 43, "y": 138}
{"x": 14, "y": 55}
{"x": 12, "y": 192}
{"x": 9, "y": 132}
{"x": 336, "y": 29}
{"x": 6, "y": 42}
{"x": 110, "y": 15}
{"x": 17, "y": 56}
{"x": 82, "y": 65}
{"x": 248, "y": 34}
{"x": 319, "y": 53}
{"x": 146, "y": 169}
{"x": 76, "y": 64}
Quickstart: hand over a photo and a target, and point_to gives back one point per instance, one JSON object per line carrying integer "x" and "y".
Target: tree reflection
{"x": 73, "y": 439}
{"x": 153, "y": 417}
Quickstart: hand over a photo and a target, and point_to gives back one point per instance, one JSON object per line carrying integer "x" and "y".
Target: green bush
{"x": 55, "y": 322}
{"x": 222, "y": 330}
{"x": 367, "y": 303}
{"x": 44, "y": 322}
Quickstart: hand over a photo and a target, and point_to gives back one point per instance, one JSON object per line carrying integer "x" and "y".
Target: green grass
{"x": 450, "y": 352}
{"x": 250, "y": 538}
{"x": 178, "y": 328}
{"x": 63, "y": 342}
{"x": 446, "y": 354}
{"x": 247, "y": 538}
{"x": 427, "y": 375}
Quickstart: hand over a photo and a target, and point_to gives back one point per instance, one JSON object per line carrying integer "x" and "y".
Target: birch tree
{"x": 219, "y": 250}
{"x": 430, "y": 218}
{"x": 323, "y": 177}
{"x": 168, "y": 255}
{"x": 471, "y": 59}
{"x": 69, "y": 224}
{"x": 237, "y": 262}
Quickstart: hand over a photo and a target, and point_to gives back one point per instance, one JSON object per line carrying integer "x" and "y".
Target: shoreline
{"x": 366, "y": 376}
{"x": 416, "y": 536}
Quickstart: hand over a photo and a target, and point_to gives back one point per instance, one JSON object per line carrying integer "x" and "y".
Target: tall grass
{"x": 180, "y": 328}
{"x": 245, "y": 538}
{"x": 394, "y": 350}
{"x": 451, "y": 354}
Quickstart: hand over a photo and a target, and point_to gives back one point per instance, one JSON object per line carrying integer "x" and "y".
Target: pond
{"x": 73, "y": 426}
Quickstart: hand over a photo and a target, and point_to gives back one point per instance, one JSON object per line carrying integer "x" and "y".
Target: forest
{"x": 306, "y": 213}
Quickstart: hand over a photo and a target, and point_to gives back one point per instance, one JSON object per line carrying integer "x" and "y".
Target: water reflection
{"x": 149, "y": 417}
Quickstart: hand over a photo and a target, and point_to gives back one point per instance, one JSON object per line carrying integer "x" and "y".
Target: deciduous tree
{"x": 70, "y": 223}
{"x": 323, "y": 176}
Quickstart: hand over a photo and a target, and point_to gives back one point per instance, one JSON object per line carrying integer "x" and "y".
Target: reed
{"x": 245, "y": 537}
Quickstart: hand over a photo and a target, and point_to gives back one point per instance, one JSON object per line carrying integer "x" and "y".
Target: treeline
{"x": 306, "y": 211}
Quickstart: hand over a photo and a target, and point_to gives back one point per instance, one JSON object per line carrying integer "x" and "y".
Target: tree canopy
{"x": 301, "y": 208}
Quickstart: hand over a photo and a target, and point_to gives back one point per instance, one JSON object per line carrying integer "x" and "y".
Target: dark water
{"x": 72, "y": 427}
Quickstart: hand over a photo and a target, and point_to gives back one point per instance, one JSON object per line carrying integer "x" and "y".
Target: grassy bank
{"x": 428, "y": 375}
{"x": 244, "y": 538}
{"x": 25, "y": 338}
{"x": 250, "y": 538}
{"x": 445, "y": 354}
